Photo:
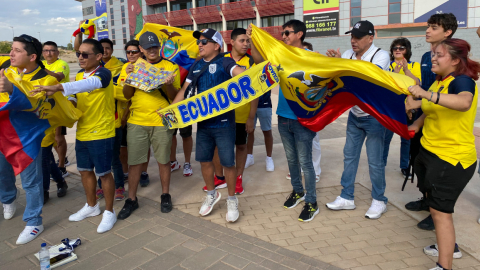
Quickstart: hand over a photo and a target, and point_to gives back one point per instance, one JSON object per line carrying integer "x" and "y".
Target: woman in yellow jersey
{"x": 400, "y": 54}
{"x": 447, "y": 158}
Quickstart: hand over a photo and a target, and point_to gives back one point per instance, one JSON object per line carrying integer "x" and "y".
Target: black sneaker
{"x": 125, "y": 177}
{"x": 406, "y": 172}
{"x": 426, "y": 224}
{"x": 62, "y": 189}
{"x": 128, "y": 208}
{"x": 67, "y": 163}
{"x": 166, "y": 203}
{"x": 420, "y": 205}
{"x": 64, "y": 172}
{"x": 144, "y": 180}
{"x": 310, "y": 210}
{"x": 46, "y": 196}
{"x": 293, "y": 199}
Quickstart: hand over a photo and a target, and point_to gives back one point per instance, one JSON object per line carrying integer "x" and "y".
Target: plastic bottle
{"x": 44, "y": 257}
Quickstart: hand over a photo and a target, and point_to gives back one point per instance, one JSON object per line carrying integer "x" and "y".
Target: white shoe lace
{"x": 232, "y": 205}
{"x": 108, "y": 217}
{"x": 209, "y": 200}
{"x": 377, "y": 206}
{"x": 339, "y": 201}
{"x": 7, "y": 208}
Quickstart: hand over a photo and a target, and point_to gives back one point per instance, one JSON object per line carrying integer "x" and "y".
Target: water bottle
{"x": 44, "y": 257}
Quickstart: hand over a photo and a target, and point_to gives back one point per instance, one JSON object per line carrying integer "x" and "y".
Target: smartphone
{"x": 59, "y": 258}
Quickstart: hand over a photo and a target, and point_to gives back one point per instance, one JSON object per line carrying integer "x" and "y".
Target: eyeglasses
{"x": 49, "y": 51}
{"x": 204, "y": 41}
{"x": 84, "y": 55}
{"x": 132, "y": 52}
{"x": 399, "y": 48}
{"x": 287, "y": 33}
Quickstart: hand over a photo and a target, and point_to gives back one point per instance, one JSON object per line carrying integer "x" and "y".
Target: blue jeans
{"x": 357, "y": 129}
{"x": 404, "y": 153}
{"x": 222, "y": 138}
{"x": 116, "y": 163}
{"x": 31, "y": 183}
{"x": 96, "y": 155}
{"x": 386, "y": 145}
{"x": 297, "y": 141}
{"x": 49, "y": 167}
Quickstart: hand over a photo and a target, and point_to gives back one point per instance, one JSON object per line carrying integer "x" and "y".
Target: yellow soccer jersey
{"x": 449, "y": 133}
{"x": 98, "y": 107}
{"x": 242, "y": 113}
{"x": 144, "y": 105}
{"x": 414, "y": 67}
{"x": 120, "y": 100}
{"x": 36, "y": 77}
{"x": 115, "y": 67}
{"x": 4, "y": 62}
{"x": 59, "y": 66}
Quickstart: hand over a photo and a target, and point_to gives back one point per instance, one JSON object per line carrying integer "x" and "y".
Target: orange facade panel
{"x": 155, "y": 18}
{"x": 154, "y": 2}
{"x": 237, "y": 10}
{"x": 226, "y": 35}
{"x": 206, "y": 14}
{"x": 274, "y": 7}
{"x": 275, "y": 31}
{"x": 178, "y": 18}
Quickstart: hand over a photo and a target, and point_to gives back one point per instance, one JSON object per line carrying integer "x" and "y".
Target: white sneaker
{"x": 376, "y": 209}
{"x": 317, "y": 178}
{"x": 289, "y": 177}
{"x": 270, "y": 167}
{"x": 187, "y": 170}
{"x": 433, "y": 251}
{"x": 437, "y": 268}
{"x": 209, "y": 202}
{"x": 232, "y": 213}
{"x": 174, "y": 166}
{"x": 29, "y": 233}
{"x": 250, "y": 161}
{"x": 341, "y": 204}
{"x": 108, "y": 220}
{"x": 86, "y": 211}
{"x": 9, "y": 209}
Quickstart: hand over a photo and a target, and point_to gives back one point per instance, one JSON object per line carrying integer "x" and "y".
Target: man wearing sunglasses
{"x": 24, "y": 58}
{"x": 211, "y": 70}
{"x": 61, "y": 71}
{"x": 297, "y": 140}
{"x": 146, "y": 129}
{"x": 93, "y": 89}
{"x": 361, "y": 125}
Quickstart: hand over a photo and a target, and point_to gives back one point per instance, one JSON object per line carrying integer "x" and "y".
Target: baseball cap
{"x": 362, "y": 28}
{"x": 148, "y": 40}
{"x": 210, "y": 34}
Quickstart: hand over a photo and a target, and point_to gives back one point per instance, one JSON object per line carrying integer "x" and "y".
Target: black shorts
{"x": 184, "y": 132}
{"x": 442, "y": 181}
{"x": 241, "y": 134}
{"x": 124, "y": 137}
{"x": 63, "y": 130}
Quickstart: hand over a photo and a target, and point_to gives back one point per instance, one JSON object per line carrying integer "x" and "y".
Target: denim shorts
{"x": 222, "y": 138}
{"x": 265, "y": 117}
{"x": 95, "y": 155}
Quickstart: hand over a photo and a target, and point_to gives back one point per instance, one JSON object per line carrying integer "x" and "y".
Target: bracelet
{"x": 431, "y": 97}
{"x": 438, "y": 98}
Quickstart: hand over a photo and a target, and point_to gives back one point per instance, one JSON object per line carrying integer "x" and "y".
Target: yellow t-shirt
{"x": 59, "y": 66}
{"x": 120, "y": 99}
{"x": 4, "y": 63}
{"x": 115, "y": 67}
{"x": 98, "y": 107}
{"x": 449, "y": 133}
{"x": 414, "y": 67}
{"x": 144, "y": 105}
{"x": 36, "y": 77}
{"x": 242, "y": 112}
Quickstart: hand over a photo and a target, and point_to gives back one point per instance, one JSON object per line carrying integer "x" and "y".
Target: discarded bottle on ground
{"x": 44, "y": 257}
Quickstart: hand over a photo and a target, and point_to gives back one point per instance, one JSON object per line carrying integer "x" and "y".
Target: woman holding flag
{"x": 447, "y": 158}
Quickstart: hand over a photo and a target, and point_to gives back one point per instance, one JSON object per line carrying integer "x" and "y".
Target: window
{"x": 215, "y": 26}
{"x": 276, "y": 20}
{"x": 159, "y": 8}
{"x": 121, "y": 1}
{"x": 88, "y": 11}
{"x": 111, "y": 2}
{"x": 123, "y": 14}
{"x": 113, "y": 34}
{"x": 202, "y": 3}
{"x": 179, "y": 5}
{"x": 355, "y": 11}
{"x": 124, "y": 31}
{"x": 187, "y": 27}
{"x": 112, "y": 22}
{"x": 124, "y": 41}
{"x": 394, "y": 11}
{"x": 111, "y": 14}
{"x": 240, "y": 24}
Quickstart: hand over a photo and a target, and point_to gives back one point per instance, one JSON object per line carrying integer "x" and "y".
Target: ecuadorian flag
{"x": 25, "y": 120}
{"x": 319, "y": 89}
{"x": 178, "y": 45}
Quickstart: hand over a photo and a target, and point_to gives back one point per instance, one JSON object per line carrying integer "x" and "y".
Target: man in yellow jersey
{"x": 244, "y": 115}
{"x": 24, "y": 58}
{"x": 61, "y": 71}
{"x": 4, "y": 62}
{"x": 94, "y": 91}
{"x": 145, "y": 128}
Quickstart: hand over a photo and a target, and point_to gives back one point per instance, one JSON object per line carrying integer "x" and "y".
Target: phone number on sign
{"x": 322, "y": 24}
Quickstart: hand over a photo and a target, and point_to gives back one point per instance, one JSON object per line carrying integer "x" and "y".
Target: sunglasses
{"x": 399, "y": 48}
{"x": 287, "y": 33}
{"x": 84, "y": 55}
{"x": 204, "y": 41}
{"x": 27, "y": 38}
{"x": 132, "y": 52}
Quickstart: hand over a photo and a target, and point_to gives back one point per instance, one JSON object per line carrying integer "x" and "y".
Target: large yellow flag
{"x": 319, "y": 89}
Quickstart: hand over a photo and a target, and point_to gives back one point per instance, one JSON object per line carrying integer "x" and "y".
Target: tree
{"x": 70, "y": 46}
{"x": 5, "y": 47}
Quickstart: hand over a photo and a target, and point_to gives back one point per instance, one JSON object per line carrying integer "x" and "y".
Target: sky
{"x": 56, "y": 20}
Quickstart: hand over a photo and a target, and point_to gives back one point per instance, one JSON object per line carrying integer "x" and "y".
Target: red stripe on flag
{"x": 183, "y": 74}
{"x": 341, "y": 102}
{"x": 10, "y": 144}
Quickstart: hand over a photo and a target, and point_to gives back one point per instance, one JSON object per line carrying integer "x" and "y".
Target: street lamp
{"x": 13, "y": 32}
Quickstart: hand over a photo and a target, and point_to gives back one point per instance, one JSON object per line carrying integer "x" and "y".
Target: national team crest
{"x": 169, "y": 45}
{"x": 168, "y": 118}
{"x": 212, "y": 68}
